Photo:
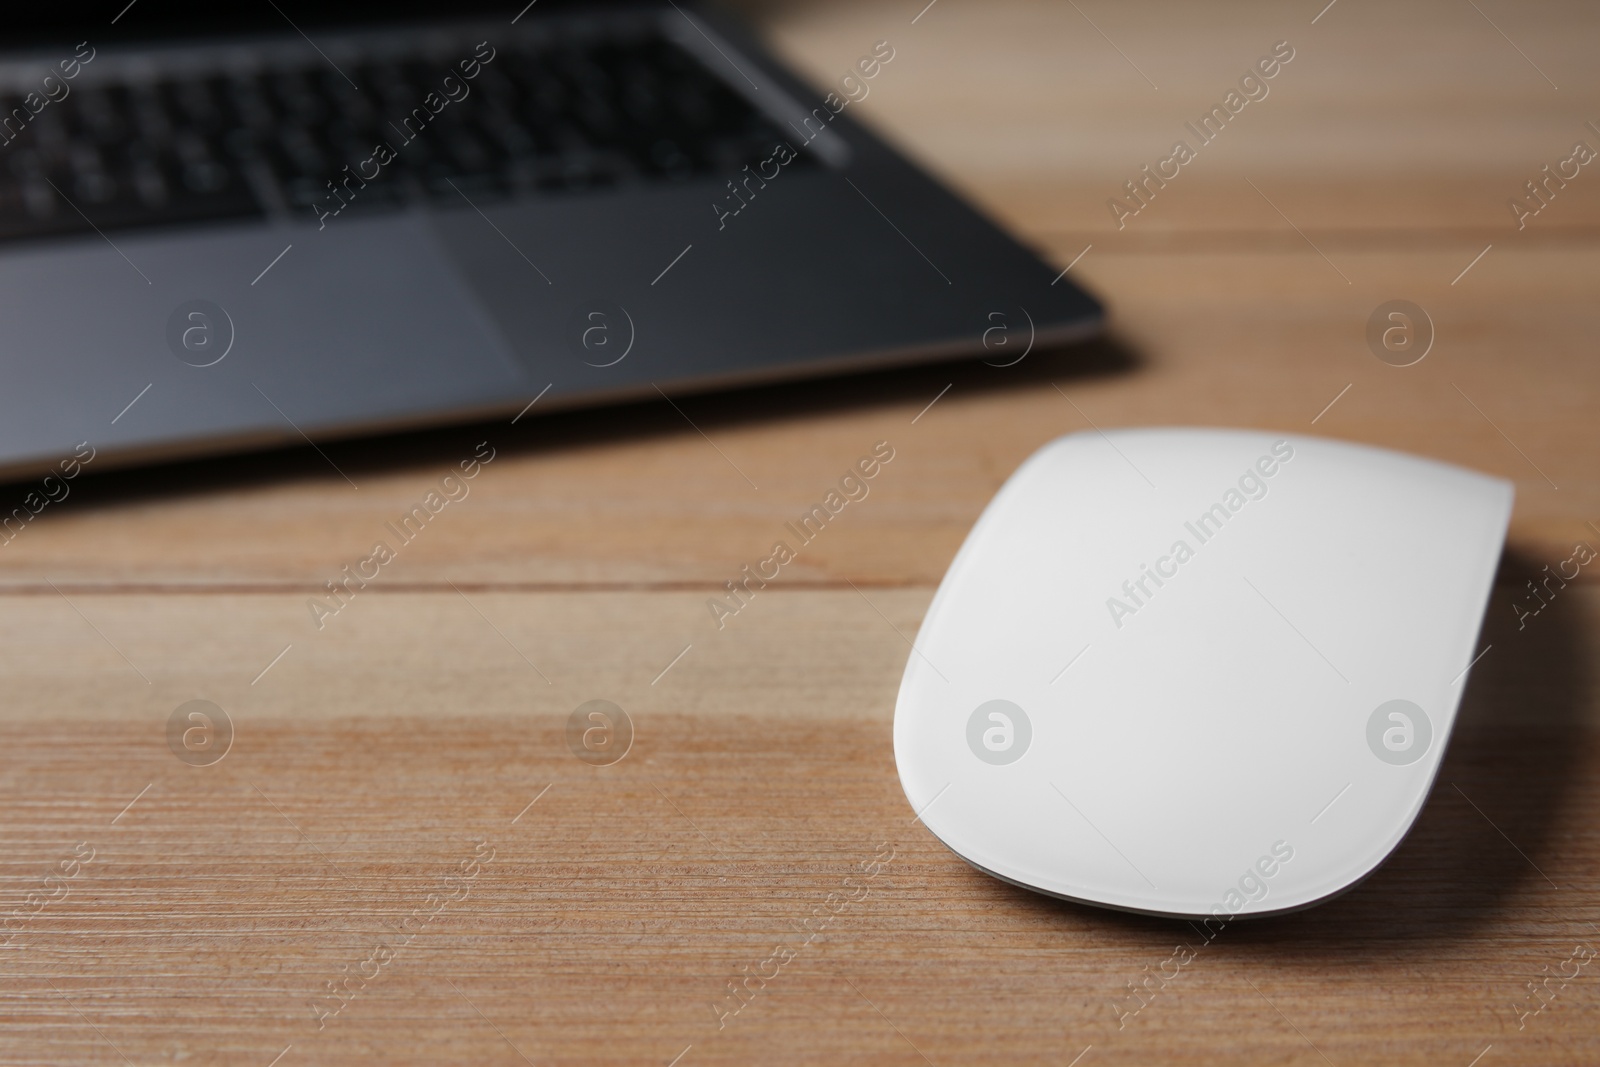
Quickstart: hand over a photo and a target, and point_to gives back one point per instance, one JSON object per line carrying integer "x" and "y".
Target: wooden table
{"x": 378, "y": 787}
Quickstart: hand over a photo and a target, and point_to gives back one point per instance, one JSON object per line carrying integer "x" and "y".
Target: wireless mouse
{"x": 1198, "y": 672}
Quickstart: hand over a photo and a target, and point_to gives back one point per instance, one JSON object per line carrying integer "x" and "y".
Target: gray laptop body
{"x": 302, "y": 323}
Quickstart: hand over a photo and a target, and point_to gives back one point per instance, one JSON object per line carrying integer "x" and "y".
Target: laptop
{"x": 230, "y": 227}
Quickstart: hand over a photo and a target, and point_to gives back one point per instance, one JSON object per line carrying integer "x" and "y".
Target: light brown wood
{"x": 412, "y": 730}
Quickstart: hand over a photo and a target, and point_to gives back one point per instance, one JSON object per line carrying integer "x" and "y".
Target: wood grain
{"x": 374, "y": 754}
{"x": 617, "y": 908}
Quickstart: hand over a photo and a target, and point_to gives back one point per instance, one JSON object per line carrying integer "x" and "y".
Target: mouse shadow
{"x": 611, "y": 423}
{"x": 1489, "y": 830}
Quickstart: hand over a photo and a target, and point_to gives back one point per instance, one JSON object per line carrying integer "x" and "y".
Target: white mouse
{"x": 1198, "y": 672}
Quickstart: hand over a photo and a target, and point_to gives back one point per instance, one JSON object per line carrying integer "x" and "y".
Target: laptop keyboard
{"x": 541, "y": 119}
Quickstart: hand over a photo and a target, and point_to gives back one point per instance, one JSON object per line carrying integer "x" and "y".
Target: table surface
{"x": 234, "y": 913}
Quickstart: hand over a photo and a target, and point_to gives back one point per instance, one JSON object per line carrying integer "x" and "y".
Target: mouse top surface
{"x": 1198, "y": 672}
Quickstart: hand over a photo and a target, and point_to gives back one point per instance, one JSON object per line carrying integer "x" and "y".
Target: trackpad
{"x": 364, "y": 322}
